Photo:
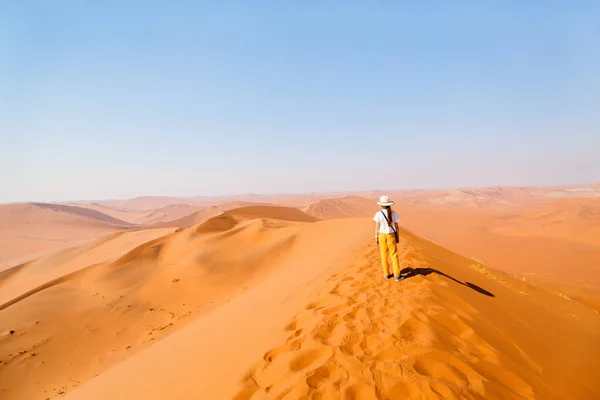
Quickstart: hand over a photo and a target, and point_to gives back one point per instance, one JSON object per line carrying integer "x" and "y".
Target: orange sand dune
{"x": 29, "y": 230}
{"x": 496, "y": 196}
{"x": 163, "y": 214}
{"x": 169, "y": 213}
{"x": 347, "y": 207}
{"x": 574, "y": 220}
{"x": 87, "y": 315}
{"x": 203, "y": 215}
{"x": 272, "y": 212}
{"x": 24, "y": 278}
{"x": 142, "y": 203}
{"x": 555, "y": 242}
{"x": 326, "y": 325}
{"x": 128, "y": 216}
{"x": 271, "y": 302}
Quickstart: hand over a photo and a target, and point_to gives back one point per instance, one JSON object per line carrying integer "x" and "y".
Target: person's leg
{"x": 393, "y": 250}
{"x": 383, "y": 249}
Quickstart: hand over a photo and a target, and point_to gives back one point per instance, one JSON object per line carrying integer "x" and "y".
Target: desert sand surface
{"x": 545, "y": 235}
{"x": 346, "y": 207}
{"x": 28, "y": 231}
{"x": 161, "y": 214}
{"x": 142, "y": 203}
{"x": 497, "y": 196}
{"x": 24, "y": 278}
{"x": 131, "y": 217}
{"x": 330, "y": 327}
{"x": 168, "y": 213}
{"x": 203, "y": 215}
{"x": 246, "y": 301}
{"x": 555, "y": 243}
{"x": 73, "y": 327}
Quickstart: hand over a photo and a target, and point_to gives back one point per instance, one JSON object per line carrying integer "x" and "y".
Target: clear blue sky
{"x": 114, "y": 99}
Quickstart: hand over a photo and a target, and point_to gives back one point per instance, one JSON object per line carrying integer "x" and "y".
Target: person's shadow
{"x": 409, "y": 272}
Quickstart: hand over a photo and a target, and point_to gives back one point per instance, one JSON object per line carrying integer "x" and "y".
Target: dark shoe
{"x": 390, "y": 276}
{"x": 399, "y": 278}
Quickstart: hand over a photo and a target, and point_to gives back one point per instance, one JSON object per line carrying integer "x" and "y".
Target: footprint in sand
{"x": 363, "y": 340}
{"x": 310, "y": 358}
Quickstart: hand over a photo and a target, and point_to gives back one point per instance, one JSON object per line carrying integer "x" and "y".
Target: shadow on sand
{"x": 410, "y": 272}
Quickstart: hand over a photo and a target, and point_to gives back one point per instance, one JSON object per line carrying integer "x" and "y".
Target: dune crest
{"x": 452, "y": 329}
{"x": 27, "y": 277}
{"x": 203, "y": 215}
{"x": 434, "y": 336}
{"x": 346, "y": 207}
{"x": 169, "y": 213}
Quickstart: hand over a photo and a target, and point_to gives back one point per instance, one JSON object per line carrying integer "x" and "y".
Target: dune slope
{"x": 23, "y": 278}
{"x": 347, "y": 207}
{"x": 328, "y": 326}
{"x": 203, "y": 215}
{"x": 131, "y": 217}
{"x": 553, "y": 243}
{"x": 29, "y": 230}
{"x": 436, "y": 335}
{"x": 169, "y": 213}
{"x": 70, "y": 316}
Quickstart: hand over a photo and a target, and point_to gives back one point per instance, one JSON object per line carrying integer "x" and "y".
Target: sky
{"x": 117, "y": 99}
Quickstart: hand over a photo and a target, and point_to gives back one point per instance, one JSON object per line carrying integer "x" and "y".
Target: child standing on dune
{"x": 386, "y": 236}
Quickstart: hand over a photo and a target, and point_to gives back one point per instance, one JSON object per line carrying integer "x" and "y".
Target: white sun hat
{"x": 385, "y": 201}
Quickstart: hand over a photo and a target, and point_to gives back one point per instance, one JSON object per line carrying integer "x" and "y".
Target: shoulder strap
{"x": 388, "y": 221}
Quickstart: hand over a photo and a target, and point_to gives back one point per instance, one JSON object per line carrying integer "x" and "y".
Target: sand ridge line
{"x": 367, "y": 338}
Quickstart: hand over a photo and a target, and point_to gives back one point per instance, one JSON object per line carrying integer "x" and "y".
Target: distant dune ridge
{"x": 203, "y": 215}
{"x": 14, "y": 216}
{"x": 143, "y": 203}
{"x": 169, "y": 213}
{"x": 33, "y": 229}
{"x": 158, "y": 298}
{"x": 127, "y": 216}
{"x": 501, "y": 196}
{"x": 346, "y": 207}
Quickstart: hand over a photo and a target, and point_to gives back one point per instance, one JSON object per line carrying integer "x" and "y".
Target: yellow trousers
{"x": 387, "y": 246}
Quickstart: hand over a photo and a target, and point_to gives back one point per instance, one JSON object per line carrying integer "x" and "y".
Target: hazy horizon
{"x": 115, "y": 101}
{"x": 227, "y": 196}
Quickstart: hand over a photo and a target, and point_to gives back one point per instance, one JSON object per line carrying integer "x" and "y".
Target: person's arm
{"x": 377, "y": 232}
{"x": 396, "y": 222}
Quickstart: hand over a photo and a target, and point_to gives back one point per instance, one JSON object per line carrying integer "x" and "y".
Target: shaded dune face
{"x": 28, "y": 231}
{"x": 82, "y": 212}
